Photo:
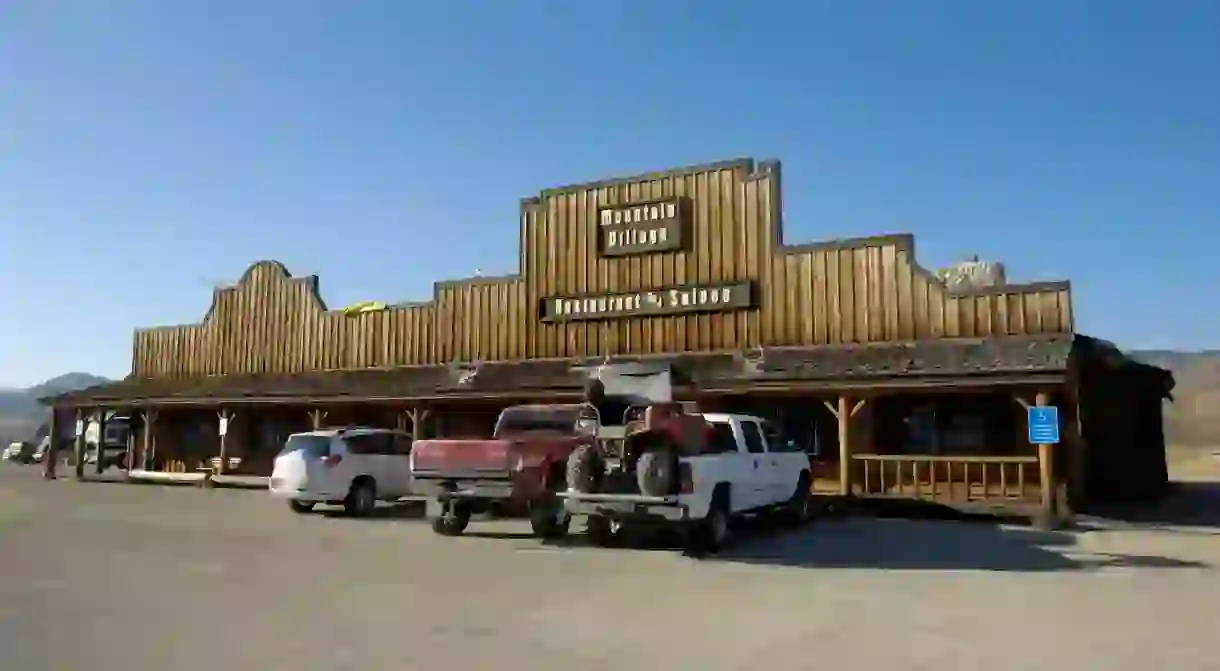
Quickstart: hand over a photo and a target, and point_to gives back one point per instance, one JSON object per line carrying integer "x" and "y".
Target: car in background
{"x": 353, "y": 467}
{"x": 19, "y": 451}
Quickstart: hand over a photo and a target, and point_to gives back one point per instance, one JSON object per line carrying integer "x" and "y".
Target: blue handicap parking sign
{"x": 1043, "y": 424}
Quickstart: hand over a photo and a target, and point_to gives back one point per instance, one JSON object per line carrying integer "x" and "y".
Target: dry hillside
{"x": 1193, "y": 418}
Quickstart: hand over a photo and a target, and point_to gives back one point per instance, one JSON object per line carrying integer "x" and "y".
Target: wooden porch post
{"x": 844, "y": 412}
{"x": 1046, "y": 471}
{"x": 52, "y": 454}
{"x": 316, "y": 417}
{"x": 130, "y": 457}
{"x": 147, "y": 456}
{"x": 79, "y": 446}
{"x": 100, "y": 448}
{"x": 401, "y": 419}
{"x": 224, "y": 416}
{"x": 419, "y": 418}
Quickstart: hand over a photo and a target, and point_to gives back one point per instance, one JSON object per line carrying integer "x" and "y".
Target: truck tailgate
{"x": 459, "y": 457}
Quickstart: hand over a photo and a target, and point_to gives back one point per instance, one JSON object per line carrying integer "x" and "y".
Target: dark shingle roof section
{"x": 856, "y": 363}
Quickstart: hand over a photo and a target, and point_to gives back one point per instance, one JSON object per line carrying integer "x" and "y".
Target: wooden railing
{"x": 947, "y": 479}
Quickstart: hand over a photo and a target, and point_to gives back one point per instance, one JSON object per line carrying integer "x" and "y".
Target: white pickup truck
{"x": 743, "y": 466}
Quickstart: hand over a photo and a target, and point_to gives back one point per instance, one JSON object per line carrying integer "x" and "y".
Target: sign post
{"x": 1043, "y": 421}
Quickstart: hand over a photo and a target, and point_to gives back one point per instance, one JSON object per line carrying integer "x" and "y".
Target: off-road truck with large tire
{"x": 697, "y": 472}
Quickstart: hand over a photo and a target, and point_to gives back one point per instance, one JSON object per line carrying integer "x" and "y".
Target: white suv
{"x": 354, "y": 467}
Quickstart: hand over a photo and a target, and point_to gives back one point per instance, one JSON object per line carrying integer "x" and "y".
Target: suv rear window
{"x": 378, "y": 442}
{"x": 314, "y": 446}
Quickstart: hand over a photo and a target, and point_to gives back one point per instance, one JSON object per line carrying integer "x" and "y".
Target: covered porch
{"x": 938, "y": 421}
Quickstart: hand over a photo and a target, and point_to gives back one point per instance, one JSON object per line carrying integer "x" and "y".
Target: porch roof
{"x": 906, "y": 363}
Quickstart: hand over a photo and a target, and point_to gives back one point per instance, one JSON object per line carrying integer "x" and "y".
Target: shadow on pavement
{"x": 410, "y": 510}
{"x": 900, "y": 544}
{"x": 1189, "y": 503}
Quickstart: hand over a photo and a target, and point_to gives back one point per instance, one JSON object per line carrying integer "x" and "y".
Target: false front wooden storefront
{"x": 687, "y": 267}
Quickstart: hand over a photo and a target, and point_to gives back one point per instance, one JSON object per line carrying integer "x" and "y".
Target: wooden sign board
{"x": 642, "y": 228}
{"x": 654, "y": 302}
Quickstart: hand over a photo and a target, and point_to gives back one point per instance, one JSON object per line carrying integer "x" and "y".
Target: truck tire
{"x": 712, "y": 533}
{"x": 585, "y": 469}
{"x": 549, "y": 519}
{"x": 599, "y": 531}
{"x": 797, "y": 509}
{"x": 453, "y": 520}
{"x": 656, "y": 472}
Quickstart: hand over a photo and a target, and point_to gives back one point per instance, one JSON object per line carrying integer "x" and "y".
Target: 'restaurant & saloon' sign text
{"x": 641, "y": 228}
{"x": 656, "y": 302}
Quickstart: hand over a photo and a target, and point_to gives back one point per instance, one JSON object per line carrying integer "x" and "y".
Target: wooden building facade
{"x": 850, "y": 344}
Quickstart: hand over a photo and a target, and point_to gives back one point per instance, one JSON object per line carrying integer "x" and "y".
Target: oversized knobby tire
{"x": 656, "y": 472}
{"x": 585, "y": 469}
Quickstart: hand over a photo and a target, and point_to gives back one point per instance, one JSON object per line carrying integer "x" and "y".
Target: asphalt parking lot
{"x": 135, "y": 577}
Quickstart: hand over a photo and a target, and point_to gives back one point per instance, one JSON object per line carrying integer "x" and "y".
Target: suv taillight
{"x": 332, "y": 460}
{"x": 686, "y": 482}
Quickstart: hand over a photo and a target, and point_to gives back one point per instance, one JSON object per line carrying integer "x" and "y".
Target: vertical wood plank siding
{"x": 848, "y": 291}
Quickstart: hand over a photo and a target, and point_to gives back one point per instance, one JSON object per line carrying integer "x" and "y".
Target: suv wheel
{"x": 362, "y": 499}
{"x": 300, "y": 507}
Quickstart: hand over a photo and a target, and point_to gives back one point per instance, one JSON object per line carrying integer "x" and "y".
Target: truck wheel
{"x": 454, "y": 517}
{"x": 656, "y": 472}
{"x": 585, "y": 469}
{"x": 796, "y": 511}
{"x": 599, "y": 531}
{"x": 711, "y": 534}
{"x": 549, "y": 519}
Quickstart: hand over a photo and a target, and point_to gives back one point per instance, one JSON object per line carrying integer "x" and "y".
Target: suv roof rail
{"x": 360, "y": 427}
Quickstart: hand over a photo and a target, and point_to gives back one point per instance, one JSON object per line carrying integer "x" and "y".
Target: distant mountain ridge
{"x": 20, "y": 412}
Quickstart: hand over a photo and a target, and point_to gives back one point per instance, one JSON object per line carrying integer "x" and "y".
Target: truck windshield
{"x": 312, "y": 446}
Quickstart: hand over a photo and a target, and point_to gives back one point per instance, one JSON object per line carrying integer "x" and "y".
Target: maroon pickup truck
{"x": 523, "y": 462}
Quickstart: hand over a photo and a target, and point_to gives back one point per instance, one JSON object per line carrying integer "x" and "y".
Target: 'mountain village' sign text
{"x": 655, "y": 302}
{"x": 641, "y": 228}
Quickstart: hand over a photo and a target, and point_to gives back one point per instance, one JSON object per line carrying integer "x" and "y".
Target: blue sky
{"x": 150, "y": 148}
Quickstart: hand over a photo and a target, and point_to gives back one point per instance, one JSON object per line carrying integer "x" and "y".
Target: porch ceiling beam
{"x": 940, "y": 383}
